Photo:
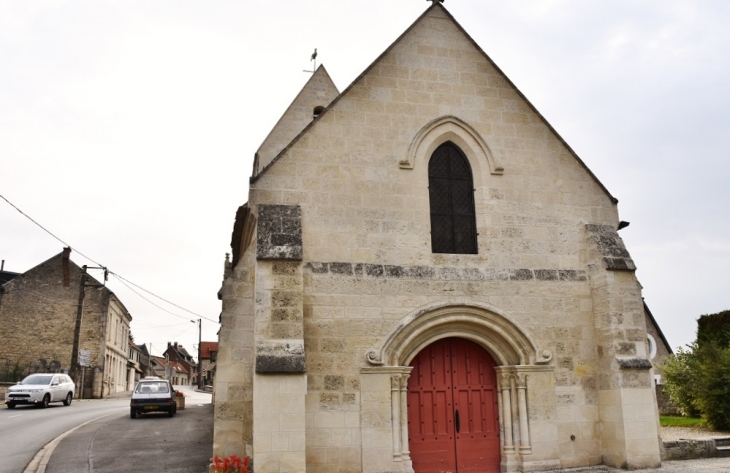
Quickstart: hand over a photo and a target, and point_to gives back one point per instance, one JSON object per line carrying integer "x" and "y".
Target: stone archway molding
{"x": 482, "y": 323}
{"x": 451, "y": 128}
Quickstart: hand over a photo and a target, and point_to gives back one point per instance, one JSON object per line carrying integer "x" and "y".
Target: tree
{"x": 698, "y": 377}
{"x": 681, "y": 373}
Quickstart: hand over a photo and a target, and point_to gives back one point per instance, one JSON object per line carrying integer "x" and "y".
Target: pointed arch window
{"x": 451, "y": 196}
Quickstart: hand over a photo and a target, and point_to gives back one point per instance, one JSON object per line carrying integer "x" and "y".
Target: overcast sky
{"x": 128, "y": 128}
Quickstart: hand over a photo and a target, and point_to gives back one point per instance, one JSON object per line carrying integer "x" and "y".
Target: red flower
{"x": 231, "y": 464}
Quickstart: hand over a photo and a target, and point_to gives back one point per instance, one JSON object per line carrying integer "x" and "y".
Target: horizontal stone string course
{"x": 445, "y": 273}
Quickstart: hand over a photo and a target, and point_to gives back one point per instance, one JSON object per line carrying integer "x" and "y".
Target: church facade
{"x": 426, "y": 278}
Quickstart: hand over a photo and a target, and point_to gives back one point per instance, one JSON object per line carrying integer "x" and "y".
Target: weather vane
{"x": 314, "y": 59}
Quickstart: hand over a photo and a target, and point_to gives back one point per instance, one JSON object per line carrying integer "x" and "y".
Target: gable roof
{"x": 648, "y": 313}
{"x": 319, "y": 91}
{"x": 181, "y": 353}
{"x": 64, "y": 256}
{"x": 438, "y": 5}
{"x": 178, "y": 367}
{"x": 206, "y": 348}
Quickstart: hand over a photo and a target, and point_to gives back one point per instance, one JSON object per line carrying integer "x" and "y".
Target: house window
{"x": 451, "y": 196}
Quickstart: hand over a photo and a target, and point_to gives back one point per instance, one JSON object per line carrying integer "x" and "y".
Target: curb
{"x": 40, "y": 461}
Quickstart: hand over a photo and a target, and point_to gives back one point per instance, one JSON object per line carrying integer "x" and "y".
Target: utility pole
{"x": 200, "y": 351}
{"x": 79, "y": 316}
{"x": 77, "y": 329}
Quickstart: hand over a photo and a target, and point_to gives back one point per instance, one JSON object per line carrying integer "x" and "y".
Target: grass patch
{"x": 672, "y": 421}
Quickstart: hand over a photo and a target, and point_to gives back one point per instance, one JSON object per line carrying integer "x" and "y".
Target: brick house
{"x": 176, "y": 353}
{"x": 426, "y": 277}
{"x": 38, "y": 311}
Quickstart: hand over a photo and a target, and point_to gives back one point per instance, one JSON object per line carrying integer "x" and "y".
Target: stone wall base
{"x": 697, "y": 448}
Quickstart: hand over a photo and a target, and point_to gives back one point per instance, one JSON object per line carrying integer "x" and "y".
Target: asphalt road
{"x": 26, "y": 429}
{"x": 151, "y": 442}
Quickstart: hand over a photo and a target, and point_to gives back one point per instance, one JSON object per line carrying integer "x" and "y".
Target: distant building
{"x": 139, "y": 363}
{"x": 157, "y": 367}
{"x": 208, "y": 355}
{"x": 38, "y": 311}
{"x": 177, "y": 373}
{"x": 657, "y": 346}
{"x": 178, "y": 354}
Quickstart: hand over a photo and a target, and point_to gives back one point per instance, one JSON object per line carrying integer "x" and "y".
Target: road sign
{"x": 84, "y": 357}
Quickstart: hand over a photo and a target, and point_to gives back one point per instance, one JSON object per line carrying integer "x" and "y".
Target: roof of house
{"x": 6, "y": 276}
{"x": 158, "y": 359}
{"x": 181, "y": 352}
{"x": 658, "y": 329}
{"x": 90, "y": 280}
{"x": 178, "y": 367}
{"x": 206, "y": 348}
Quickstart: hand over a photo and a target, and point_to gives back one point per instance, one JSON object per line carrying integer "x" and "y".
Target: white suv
{"x": 41, "y": 389}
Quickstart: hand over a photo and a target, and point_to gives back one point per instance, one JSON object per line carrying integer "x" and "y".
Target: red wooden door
{"x": 453, "y": 424}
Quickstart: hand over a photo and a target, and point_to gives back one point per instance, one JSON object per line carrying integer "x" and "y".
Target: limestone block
{"x": 318, "y": 438}
{"x": 280, "y": 356}
{"x": 292, "y": 422}
{"x": 292, "y": 462}
{"x": 379, "y": 460}
{"x": 297, "y": 441}
{"x": 262, "y": 442}
{"x": 330, "y": 420}
{"x": 279, "y": 232}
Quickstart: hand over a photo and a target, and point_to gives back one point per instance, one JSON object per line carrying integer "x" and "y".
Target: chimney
{"x": 65, "y": 266}
{"x": 169, "y": 344}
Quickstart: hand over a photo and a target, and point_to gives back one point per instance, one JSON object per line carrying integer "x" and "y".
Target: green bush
{"x": 713, "y": 398}
{"x": 681, "y": 373}
{"x": 698, "y": 382}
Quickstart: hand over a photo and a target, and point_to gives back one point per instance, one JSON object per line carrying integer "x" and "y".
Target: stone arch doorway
{"x": 515, "y": 360}
{"x": 453, "y": 420}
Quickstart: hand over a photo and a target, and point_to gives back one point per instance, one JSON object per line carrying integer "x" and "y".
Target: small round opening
{"x": 317, "y": 111}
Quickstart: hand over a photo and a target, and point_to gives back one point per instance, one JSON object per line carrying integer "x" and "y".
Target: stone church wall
{"x": 360, "y": 178}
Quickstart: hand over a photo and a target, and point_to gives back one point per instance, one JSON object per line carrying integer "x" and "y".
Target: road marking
{"x": 40, "y": 461}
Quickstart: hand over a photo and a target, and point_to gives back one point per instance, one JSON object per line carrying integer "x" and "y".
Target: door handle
{"x": 457, "y": 424}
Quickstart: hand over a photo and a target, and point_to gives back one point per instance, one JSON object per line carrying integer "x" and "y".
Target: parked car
{"x": 155, "y": 395}
{"x": 41, "y": 389}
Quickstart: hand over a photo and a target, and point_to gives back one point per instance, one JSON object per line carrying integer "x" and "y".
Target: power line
{"x": 48, "y": 231}
{"x": 122, "y": 280}
{"x": 119, "y": 277}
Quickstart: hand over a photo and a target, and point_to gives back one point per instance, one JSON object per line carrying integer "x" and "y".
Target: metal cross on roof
{"x": 314, "y": 59}
{"x": 435, "y": 1}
